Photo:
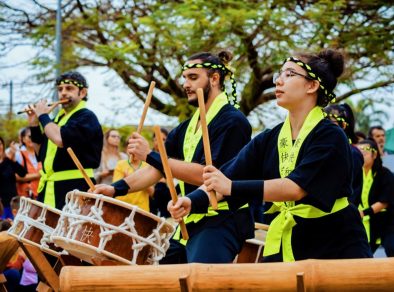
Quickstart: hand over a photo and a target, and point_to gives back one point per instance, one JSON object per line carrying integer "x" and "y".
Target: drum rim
{"x": 47, "y": 250}
{"x": 20, "y": 218}
{"x": 255, "y": 241}
{"x": 78, "y": 243}
{"x": 120, "y": 203}
{"x": 42, "y": 205}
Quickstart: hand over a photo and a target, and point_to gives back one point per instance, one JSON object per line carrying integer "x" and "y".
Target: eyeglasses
{"x": 115, "y": 136}
{"x": 286, "y": 74}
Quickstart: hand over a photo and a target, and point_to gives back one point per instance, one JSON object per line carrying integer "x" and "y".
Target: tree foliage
{"x": 10, "y": 127}
{"x": 145, "y": 40}
{"x": 367, "y": 113}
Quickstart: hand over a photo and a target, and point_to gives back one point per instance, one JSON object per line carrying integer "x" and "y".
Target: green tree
{"x": 367, "y": 114}
{"x": 9, "y": 128}
{"x": 149, "y": 40}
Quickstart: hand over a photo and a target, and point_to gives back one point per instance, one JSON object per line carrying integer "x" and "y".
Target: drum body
{"x": 34, "y": 225}
{"x": 96, "y": 227}
{"x": 252, "y": 249}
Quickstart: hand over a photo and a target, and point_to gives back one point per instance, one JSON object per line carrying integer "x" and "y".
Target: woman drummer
{"x": 375, "y": 201}
{"x": 303, "y": 166}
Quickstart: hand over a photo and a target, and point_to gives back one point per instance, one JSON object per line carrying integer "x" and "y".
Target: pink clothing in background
{"x": 29, "y": 274}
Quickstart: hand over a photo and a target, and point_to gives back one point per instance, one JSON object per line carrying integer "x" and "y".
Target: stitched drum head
{"x": 96, "y": 227}
{"x": 34, "y": 225}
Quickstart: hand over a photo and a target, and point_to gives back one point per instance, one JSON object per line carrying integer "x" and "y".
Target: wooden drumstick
{"x": 145, "y": 110}
{"x": 168, "y": 173}
{"x": 81, "y": 169}
{"x": 205, "y": 140}
{"x": 146, "y": 106}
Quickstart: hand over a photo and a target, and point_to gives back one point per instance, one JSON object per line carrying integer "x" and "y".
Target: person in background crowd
{"x": 14, "y": 266}
{"x": 109, "y": 157}
{"x": 124, "y": 168}
{"x": 360, "y": 136}
{"x": 376, "y": 200}
{"x": 27, "y": 186}
{"x": 8, "y": 169}
{"x": 378, "y": 134}
{"x": 29, "y": 278}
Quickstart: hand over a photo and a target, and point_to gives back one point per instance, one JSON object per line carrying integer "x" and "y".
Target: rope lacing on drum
{"x": 38, "y": 223}
{"x": 159, "y": 243}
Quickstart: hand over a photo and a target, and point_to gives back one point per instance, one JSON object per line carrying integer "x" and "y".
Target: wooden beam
{"x": 8, "y": 247}
{"x": 300, "y": 282}
{"x": 321, "y": 275}
{"x": 184, "y": 282}
{"x": 42, "y": 287}
{"x": 42, "y": 266}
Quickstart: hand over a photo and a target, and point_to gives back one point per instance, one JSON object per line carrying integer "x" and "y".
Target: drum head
{"x": 34, "y": 225}
{"x": 98, "y": 227}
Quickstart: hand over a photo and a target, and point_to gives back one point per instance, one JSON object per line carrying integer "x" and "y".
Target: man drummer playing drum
{"x": 216, "y": 236}
{"x": 74, "y": 126}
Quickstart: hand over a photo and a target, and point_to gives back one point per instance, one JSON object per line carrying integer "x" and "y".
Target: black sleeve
{"x": 385, "y": 192}
{"x": 18, "y": 169}
{"x": 358, "y": 162}
{"x": 174, "y": 141}
{"x": 247, "y": 165}
{"x": 36, "y": 135}
{"x": 200, "y": 202}
{"x": 80, "y": 129}
{"x": 325, "y": 169}
{"x": 229, "y": 138}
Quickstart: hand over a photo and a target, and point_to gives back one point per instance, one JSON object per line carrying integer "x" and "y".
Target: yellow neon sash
{"x": 367, "y": 184}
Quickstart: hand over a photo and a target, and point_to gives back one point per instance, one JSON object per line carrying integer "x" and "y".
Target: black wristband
{"x": 200, "y": 201}
{"x": 368, "y": 212}
{"x": 154, "y": 159}
{"x": 44, "y": 120}
{"x": 121, "y": 187}
{"x": 247, "y": 189}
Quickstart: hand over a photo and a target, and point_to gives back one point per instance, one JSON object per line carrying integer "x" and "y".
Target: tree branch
{"x": 358, "y": 90}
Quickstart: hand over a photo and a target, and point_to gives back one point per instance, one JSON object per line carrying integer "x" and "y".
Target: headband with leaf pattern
{"x": 233, "y": 98}
{"x": 329, "y": 95}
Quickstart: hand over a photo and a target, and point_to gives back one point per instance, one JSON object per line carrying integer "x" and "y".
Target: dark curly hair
{"x": 76, "y": 76}
{"x": 328, "y": 64}
{"x": 222, "y": 58}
